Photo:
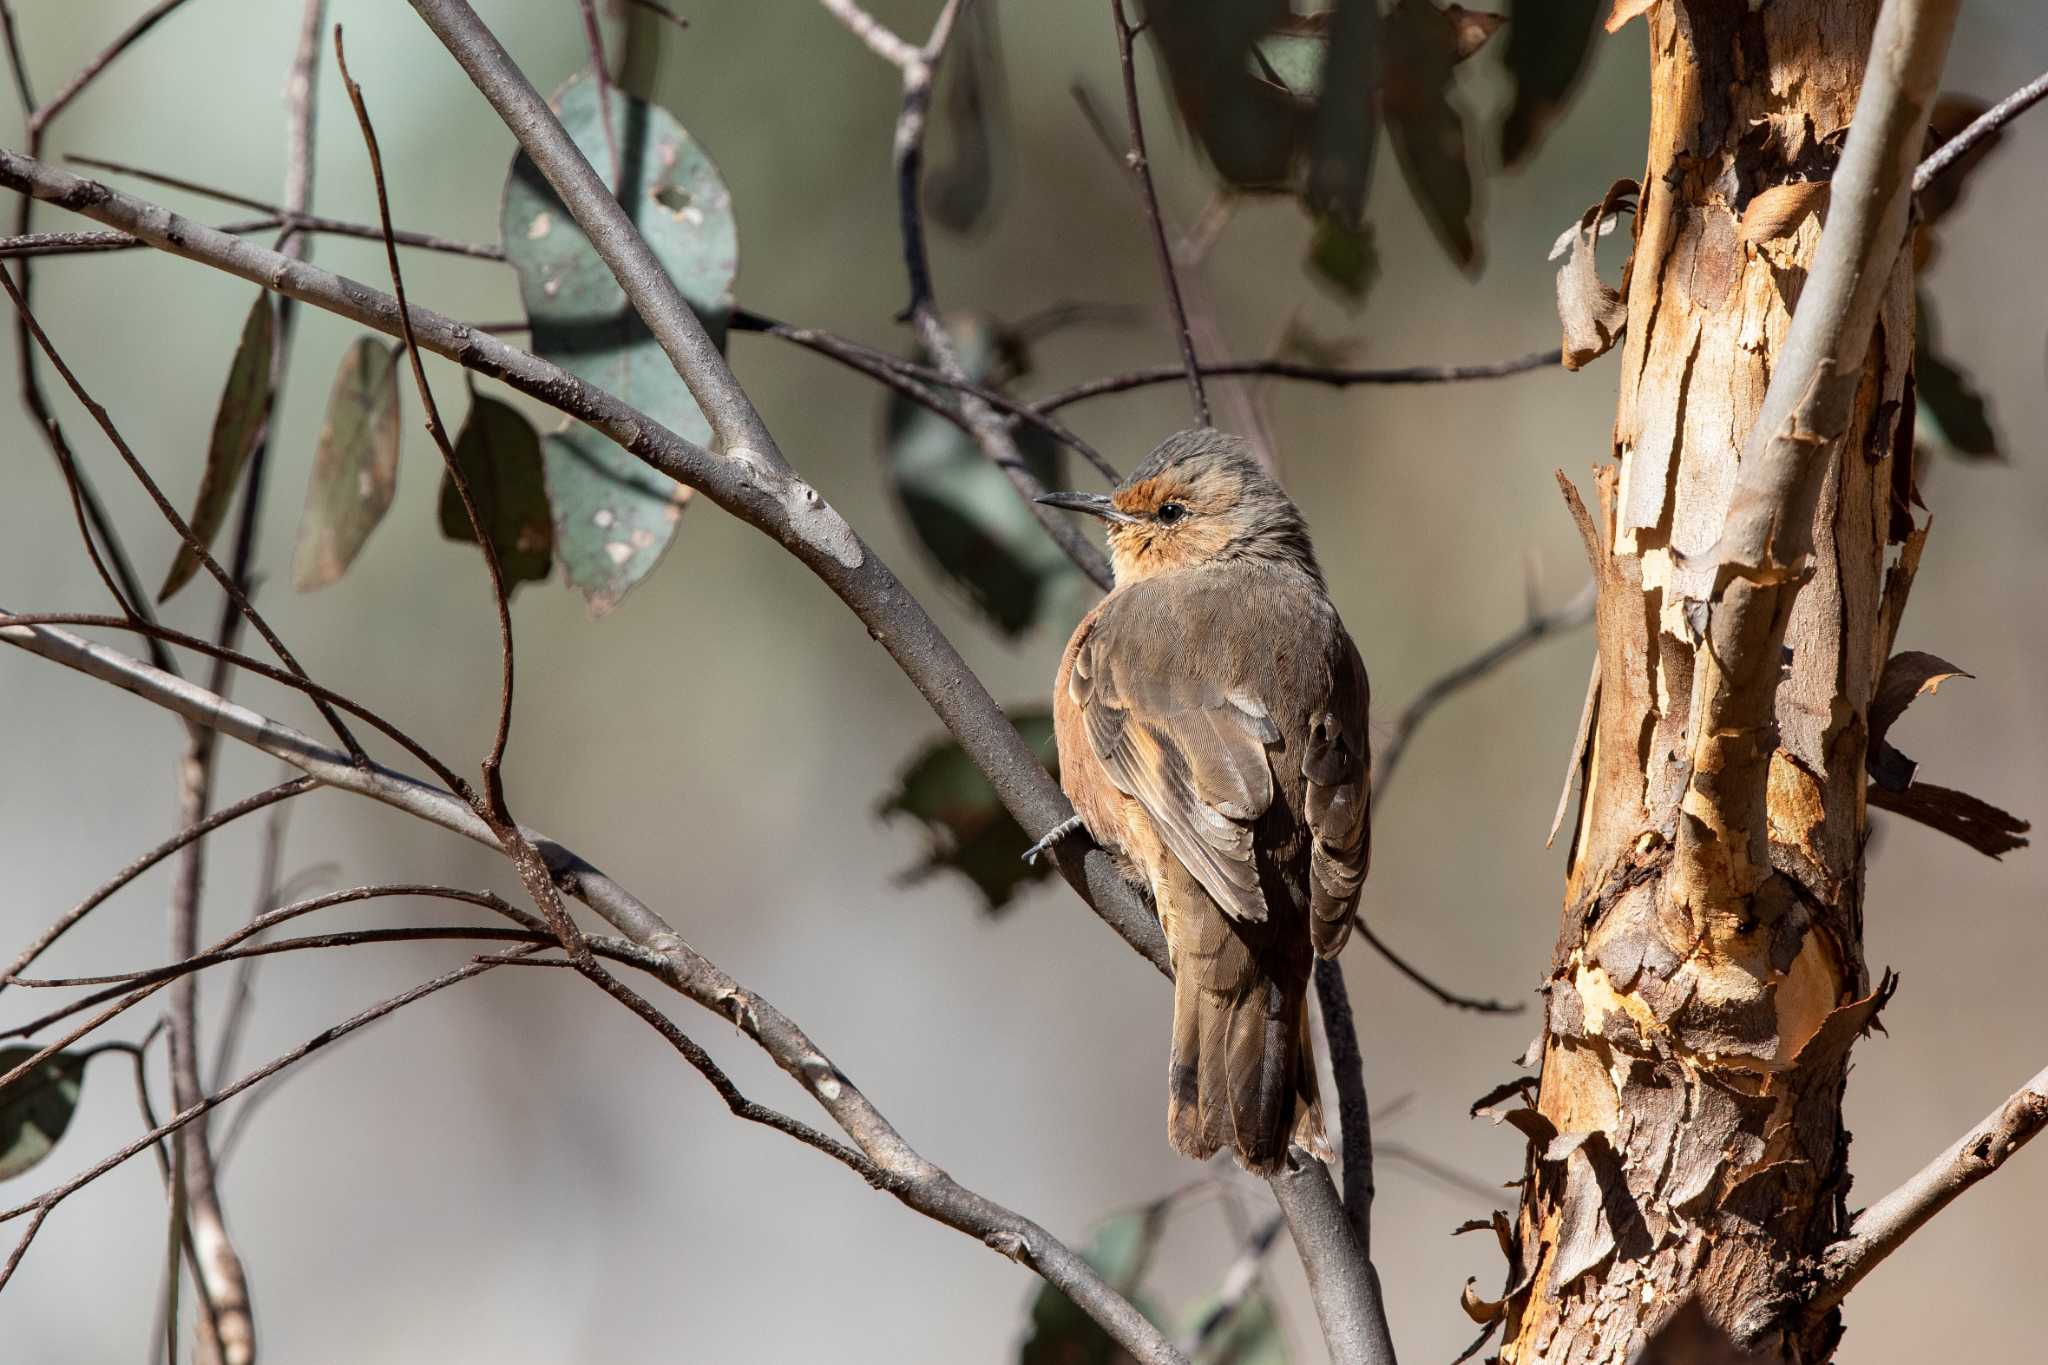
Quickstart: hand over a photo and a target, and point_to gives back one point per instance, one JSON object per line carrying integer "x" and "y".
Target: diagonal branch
{"x": 769, "y": 497}
{"x": 1879, "y": 1230}
{"x": 917, "y": 1182}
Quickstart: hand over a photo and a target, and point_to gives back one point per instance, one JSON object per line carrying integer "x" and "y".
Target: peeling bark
{"x": 1708, "y": 980}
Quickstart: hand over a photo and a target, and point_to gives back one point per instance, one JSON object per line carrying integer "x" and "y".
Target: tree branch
{"x": 1879, "y": 1230}
{"x": 918, "y": 1183}
{"x": 1984, "y": 125}
{"x": 768, "y": 497}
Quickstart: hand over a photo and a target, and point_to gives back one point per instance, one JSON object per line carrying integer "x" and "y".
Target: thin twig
{"x": 1537, "y": 627}
{"x": 655, "y": 7}
{"x": 593, "y": 37}
{"x": 1413, "y": 973}
{"x": 242, "y": 992}
{"x": 268, "y": 797}
{"x": 1141, "y": 168}
{"x": 99, "y": 62}
{"x": 920, "y": 1185}
{"x": 1336, "y": 376}
{"x": 170, "y": 513}
{"x": 38, "y": 1209}
{"x": 1882, "y": 1228}
{"x": 1983, "y": 126}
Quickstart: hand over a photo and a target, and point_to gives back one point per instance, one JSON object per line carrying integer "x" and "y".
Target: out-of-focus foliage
{"x": 237, "y": 427}
{"x": 35, "y": 1110}
{"x": 499, "y": 455}
{"x": 966, "y": 827}
{"x": 355, "y": 468}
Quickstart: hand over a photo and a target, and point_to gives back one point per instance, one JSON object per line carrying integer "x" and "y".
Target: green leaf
{"x": 1250, "y": 127}
{"x": 958, "y": 191}
{"x": 963, "y": 509}
{"x": 498, "y": 453}
{"x": 1346, "y": 128}
{"x": 237, "y": 426}
{"x": 1428, "y": 132}
{"x": 1251, "y": 1335}
{"x": 1344, "y": 261}
{"x": 35, "y": 1110}
{"x": 613, "y": 515}
{"x": 355, "y": 468}
{"x": 1121, "y": 1252}
{"x": 968, "y": 829}
{"x": 1961, "y": 416}
{"x": 1548, "y": 42}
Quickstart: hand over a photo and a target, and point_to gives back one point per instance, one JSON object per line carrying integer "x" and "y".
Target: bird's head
{"x": 1198, "y": 498}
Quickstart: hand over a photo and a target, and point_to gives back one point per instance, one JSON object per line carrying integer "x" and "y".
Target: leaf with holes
{"x": 1547, "y": 48}
{"x": 355, "y": 469}
{"x": 968, "y": 829}
{"x": 237, "y": 426}
{"x": 498, "y": 453}
{"x": 613, "y": 515}
{"x": 1426, "y": 127}
{"x": 35, "y": 1110}
{"x": 963, "y": 510}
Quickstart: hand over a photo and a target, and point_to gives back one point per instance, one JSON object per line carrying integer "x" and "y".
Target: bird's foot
{"x": 1052, "y": 836}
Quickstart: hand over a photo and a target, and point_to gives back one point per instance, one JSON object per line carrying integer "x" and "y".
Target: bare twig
{"x": 1141, "y": 168}
{"x": 39, "y": 1208}
{"x": 593, "y": 37}
{"x": 268, "y": 797}
{"x": 880, "y": 40}
{"x": 1539, "y": 625}
{"x": 1984, "y": 125}
{"x": 1333, "y": 375}
{"x": 1879, "y": 1230}
{"x": 1415, "y": 974}
{"x": 99, "y": 62}
{"x": 242, "y": 992}
{"x": 919, "y": 1184}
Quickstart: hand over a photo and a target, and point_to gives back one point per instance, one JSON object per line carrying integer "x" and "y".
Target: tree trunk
{"x": 1687, "y": 1138}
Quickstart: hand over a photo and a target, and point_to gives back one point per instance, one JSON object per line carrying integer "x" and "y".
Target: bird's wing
{"x": 1338, "y": 765}
{"x": 1188, "y": 749}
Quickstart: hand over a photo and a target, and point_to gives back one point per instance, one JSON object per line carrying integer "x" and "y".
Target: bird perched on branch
{"x": 1211, "y": 720}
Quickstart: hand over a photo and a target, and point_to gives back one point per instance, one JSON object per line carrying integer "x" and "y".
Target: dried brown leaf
{"x": 1481, "y": 1311}
{"x": 1991, "y": 831}
{"x": 1625, "y": 10}
{"x": 1778, "y": 211}
{"x": 1906, "y": 675}
{"x": 1592, "y": 313}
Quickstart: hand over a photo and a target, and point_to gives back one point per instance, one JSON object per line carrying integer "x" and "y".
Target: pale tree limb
{"x": 913, "y": 1180}
{"x": 1882, "y": 1228}
{"x": 1983, "y": 126}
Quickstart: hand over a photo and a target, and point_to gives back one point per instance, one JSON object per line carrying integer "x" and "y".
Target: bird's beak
{"x": 1094, "y": 504}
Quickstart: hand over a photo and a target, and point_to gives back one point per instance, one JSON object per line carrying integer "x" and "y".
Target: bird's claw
{"x": 1052, "y": 836}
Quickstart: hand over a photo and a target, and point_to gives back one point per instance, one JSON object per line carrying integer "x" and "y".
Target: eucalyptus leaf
{"x": 613, "y": 515}
{"x": 963, "y": 510}
{"x": 355, "y": 468}
{"x": 1250, "y": 1335}
{"x": 498, "y": 453}
{"x": 959, "y": 190}
{"x": 1343, "y": 260}
{"x": 35, "y": 1110}
{"x": 237, "y": 426}
{"x": 968, "y": 829}
{"x": 1548, "y": 43}
{"x": 1948, "y": 399}
{"x": 1428, "y": 132}
{"x": 1250, "y": 126}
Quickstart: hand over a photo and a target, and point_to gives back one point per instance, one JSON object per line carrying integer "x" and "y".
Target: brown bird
{"x": 1211, "y": 721}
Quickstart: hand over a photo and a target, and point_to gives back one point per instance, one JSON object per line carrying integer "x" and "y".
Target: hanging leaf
{"x": 355, "y": 469}
{"x": 1344, "y": 261}
{"x": 35, "y": 1110}
{"x": 1427, "y": 130}
{"x": 499, "y": 455}
{"x": 237, "y": 426}
{"x": 963, "y": 509}
{"x": 1547, "y": 46}
{"x": 1121, "y": 1252}
{"x": 1960, "y": 415}
{"x": 613, "y": 515}
{"x": 1251, "y": 127}
{"x": 958, "y": 192}
{"x": 1346, "y": 130}
{"x": 968, "y": 829}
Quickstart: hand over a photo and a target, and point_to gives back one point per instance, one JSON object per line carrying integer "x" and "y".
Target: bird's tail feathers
{"x": 1242, "y": 1072}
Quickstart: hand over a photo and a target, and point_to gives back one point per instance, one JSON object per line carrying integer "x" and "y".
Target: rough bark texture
{"x": 1687, "y": 1139}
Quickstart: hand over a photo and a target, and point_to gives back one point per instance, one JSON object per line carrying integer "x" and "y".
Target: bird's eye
{"x": 1169, "y": 513}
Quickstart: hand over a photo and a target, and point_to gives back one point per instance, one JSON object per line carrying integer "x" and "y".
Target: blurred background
{"x": 517, "y": 1170}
